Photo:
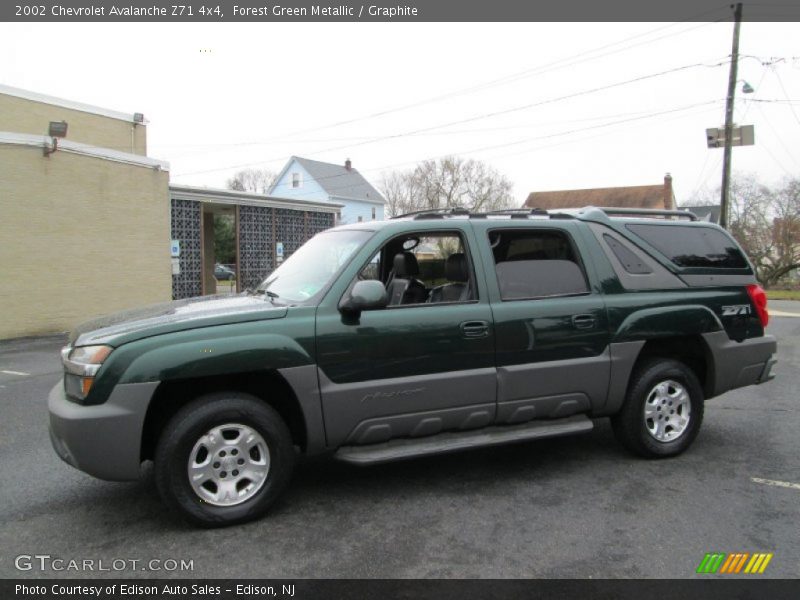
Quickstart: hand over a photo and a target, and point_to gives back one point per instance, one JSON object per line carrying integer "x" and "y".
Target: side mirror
{"x": 366, "y": 295}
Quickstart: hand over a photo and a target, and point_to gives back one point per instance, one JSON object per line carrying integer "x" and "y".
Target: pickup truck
{"x": 433, "y": 332}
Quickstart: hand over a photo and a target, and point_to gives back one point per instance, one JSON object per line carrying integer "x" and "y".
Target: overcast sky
{"x": 225, "y": 96}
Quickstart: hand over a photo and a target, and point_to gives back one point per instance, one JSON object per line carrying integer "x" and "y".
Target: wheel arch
{"x": 627, "y": 357}
{"x": 690, "y": 350}
{"x": 270, "y": 386}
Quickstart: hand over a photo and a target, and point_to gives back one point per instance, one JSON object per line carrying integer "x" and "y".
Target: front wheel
{"x": 224, "y": 458}
{"x": 663, "y": 409}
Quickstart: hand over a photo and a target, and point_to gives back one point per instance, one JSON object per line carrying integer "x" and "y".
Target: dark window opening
{"x": 536, "y": 264}
{"x": 630, "y": 262}
{"x": 693, "y": 246}
{"x": 423, "y": 268}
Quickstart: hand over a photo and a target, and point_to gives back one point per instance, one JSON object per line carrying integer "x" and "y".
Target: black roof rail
{"x": 518, "y": 213}
{"x": 434, "y": 213}
{"x": 457, "y": 211}
{"x": 524, "y": 213}
{"x": 648, "y": 212}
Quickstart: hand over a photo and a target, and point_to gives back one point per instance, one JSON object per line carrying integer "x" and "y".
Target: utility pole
{"x": 726, "y": 161}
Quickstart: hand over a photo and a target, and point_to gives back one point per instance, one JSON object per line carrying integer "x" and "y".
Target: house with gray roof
{"x": 306, "y": 179}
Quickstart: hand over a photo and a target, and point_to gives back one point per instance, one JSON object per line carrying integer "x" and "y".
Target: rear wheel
{"x": 663, "y": 409}
{"x": 223, "y": 459}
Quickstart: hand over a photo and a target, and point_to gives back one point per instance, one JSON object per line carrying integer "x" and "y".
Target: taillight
{"x": 759, "y": 298}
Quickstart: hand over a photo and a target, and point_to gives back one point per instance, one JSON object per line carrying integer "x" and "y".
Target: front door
{"x": 424, "y": 364}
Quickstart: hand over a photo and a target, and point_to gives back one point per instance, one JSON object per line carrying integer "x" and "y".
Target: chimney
{"x": 669, "y": 199}
{"x": 348, "y": 165}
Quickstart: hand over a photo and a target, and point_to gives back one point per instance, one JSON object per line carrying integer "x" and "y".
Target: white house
{"x": 306, "y": 179}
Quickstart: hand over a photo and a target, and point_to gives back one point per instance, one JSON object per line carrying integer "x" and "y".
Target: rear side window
{"x": 692, "y": 246}
{"x": 536, "y": 264}
{"x": 631, "y": 263}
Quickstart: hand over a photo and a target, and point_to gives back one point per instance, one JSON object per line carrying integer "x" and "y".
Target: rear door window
{"x": 536, "y": 264}
{"x": 692, "y": 246}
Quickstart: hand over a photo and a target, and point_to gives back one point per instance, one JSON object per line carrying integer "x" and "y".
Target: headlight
{"x": 81, "y": 364}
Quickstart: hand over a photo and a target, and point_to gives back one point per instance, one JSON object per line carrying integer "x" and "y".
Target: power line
{"x": 548, "y": 67}
{"x": 584, "y": 138}
{"x": 518, "y": 142}
{"x": 778, "y": 137}
{"x": 479, "y": 116}
{"x": 427, "y": 133}
{"x": 568, "y": 132}
{"x": 785, "y": 93}
{"x": 775, "y": 158}
{"x": 772, "y": 101}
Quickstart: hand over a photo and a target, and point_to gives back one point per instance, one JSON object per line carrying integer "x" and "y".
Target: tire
{"x": 214, "y": 437}
{"x": 660, "y": 390}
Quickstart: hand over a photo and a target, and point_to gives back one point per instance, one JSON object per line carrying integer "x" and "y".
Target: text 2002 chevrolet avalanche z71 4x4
{"x": 430, "y": 333}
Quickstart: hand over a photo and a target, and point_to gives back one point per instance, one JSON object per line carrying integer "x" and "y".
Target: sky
{"x": 549, "y": 105}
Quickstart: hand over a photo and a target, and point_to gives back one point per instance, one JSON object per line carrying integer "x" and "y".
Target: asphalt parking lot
{"x": 569, "y": 507}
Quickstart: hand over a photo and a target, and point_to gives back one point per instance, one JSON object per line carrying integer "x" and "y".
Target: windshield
{"x": 313, "y": 265}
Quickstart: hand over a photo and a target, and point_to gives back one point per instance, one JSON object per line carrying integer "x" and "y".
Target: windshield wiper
{"x": 260, "y": 291}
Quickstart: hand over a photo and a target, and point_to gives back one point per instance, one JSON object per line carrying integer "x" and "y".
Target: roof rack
{"x": 516, "y": 213}
{"x": 649, "y": 212}
{"x": 525, "y": 213}
{"x": 434, "y": 213}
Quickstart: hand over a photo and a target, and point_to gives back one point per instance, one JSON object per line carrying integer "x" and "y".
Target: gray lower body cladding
{"x": 400, "y": 449}
{"x": 103, "y": 440}
{"x": 738, "y": 364}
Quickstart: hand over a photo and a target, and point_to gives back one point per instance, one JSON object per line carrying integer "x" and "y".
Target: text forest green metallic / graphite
{"x": 430, "y": 376}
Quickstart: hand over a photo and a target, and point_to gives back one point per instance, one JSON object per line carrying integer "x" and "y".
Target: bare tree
{"x": 749, "y": 217}
{"x": 400, "y": 193}
{"x": 766, "y": 222}
{"x": 785, "y": 257}
{"x": 256, "y": 181}
{"x": 450, "y": 182}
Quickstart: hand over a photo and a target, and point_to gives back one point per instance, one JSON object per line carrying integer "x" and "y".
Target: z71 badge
{"x": 735, "y": 309}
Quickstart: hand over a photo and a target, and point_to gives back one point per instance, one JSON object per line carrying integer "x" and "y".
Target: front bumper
{"x": 103, "y": 440}
{"x": 738, "y": 364}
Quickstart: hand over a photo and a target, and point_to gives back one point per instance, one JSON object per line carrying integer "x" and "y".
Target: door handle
{"x": 583, "y": 321}
{"x": 475, "y": 329}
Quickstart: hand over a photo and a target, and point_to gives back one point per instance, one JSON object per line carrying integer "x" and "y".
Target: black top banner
{"x": 209, "y": 11}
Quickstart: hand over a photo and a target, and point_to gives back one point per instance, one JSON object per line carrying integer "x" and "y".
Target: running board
{"x": 441, "y": 443}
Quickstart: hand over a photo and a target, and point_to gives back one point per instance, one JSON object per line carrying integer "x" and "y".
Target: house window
{"x": 297, "y": 180}
{"x": 360, "y": 218}
{"x": 373, "y": 213}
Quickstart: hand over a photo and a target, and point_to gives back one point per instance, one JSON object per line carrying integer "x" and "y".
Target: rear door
{"x": 551, "y": 327}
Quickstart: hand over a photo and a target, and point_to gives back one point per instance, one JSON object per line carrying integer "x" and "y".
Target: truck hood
{"x": 156, "y": 319}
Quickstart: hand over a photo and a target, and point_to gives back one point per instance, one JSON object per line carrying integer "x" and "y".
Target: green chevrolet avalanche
{"x": 433, "y": 332}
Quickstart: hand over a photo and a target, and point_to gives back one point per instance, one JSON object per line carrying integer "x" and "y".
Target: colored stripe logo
{"x": 735, "y": 562}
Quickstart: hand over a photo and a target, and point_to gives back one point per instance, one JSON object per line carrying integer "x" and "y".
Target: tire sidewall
{"x": 192, "y": 422}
